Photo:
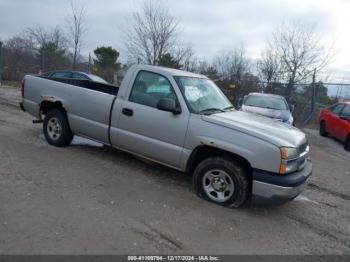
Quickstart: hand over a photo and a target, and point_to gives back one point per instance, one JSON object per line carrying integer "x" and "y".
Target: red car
{"x": 335, "y": 121}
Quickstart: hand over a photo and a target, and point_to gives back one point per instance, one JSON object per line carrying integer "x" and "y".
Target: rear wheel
{"x": 56, "y": 128}
{"x": 222, "y": 181}
{"x": 323, "y": 130}
{"x": 347, "y": 143}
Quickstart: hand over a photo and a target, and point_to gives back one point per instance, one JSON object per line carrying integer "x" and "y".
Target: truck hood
{"x": 270, "y": 130}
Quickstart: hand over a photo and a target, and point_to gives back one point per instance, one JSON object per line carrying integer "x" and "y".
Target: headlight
{"x": 289, "y": 157}
{"x": 289, "y": 153}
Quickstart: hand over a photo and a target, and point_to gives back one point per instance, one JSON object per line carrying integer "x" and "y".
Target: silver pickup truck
{"x": 181, "y": 120}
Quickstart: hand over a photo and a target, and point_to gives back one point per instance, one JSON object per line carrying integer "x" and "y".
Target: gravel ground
{"x": 92, "y": 199}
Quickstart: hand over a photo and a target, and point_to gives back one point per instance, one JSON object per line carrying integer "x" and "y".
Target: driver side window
{"x": 346, "y": 112}
{"x": 149, "y": 88}
{"x": 336, "y": 109}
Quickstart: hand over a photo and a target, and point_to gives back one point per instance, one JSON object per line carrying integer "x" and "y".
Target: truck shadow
{"x": 118, "y": 157}
{"x": 159, "y": 173}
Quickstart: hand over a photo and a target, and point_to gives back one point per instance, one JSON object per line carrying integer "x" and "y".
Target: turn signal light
{"x": 283, "y": 168}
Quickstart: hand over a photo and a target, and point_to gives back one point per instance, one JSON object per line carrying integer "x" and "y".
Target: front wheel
{"x": 56, "y": 128}
{"x": 222, "y": 181}
{"x": 347, "y": 143}
{"x": 323, "y": 130}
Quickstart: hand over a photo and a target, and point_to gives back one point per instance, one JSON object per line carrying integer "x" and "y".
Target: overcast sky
{"x": 209, "y": 25}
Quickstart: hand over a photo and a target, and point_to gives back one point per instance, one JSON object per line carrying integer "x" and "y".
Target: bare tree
{"x": 232, "y": 66}
{"x": 300, "y": 51}
{"x": 40, "y": 36}
{"x": 49, "y": 46}
{"x": 153, "y": 32}
{"x": 18, "y": 58}
{"x": 76, "y": 29}
{"x": 269, "y": 68}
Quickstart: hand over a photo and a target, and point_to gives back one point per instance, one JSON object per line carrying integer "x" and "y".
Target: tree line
{"x": 293, "y": 53}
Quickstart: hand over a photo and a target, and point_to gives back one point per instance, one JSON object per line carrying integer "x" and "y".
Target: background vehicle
{"x": 335, "y": 121}
{"x": 74, "y": 75}
{"x": 269, "y": 105}
{"x": 181, "y": 120}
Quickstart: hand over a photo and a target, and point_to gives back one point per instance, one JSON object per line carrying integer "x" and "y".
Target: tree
{"x": 76, "y": 30}
{"x": 49, "y": 46}
{"x": 153, "y": 35}
{"x": 106, "y": 62}
{"x": 231, "y": 66}
{"x": 321, "y": 94}
{"x": 211, "y": 73}
{"x": 18, "y": 58}
{"x": 168, "y": 60}
{"x": 269, "y": 69}
{"x": 300, "y": 51}
{"x": 52, "y": 57}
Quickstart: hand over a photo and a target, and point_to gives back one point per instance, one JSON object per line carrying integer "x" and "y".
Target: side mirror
{"x": 169, "y": 105}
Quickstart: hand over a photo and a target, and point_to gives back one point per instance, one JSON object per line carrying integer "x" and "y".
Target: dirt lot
{"x": 91, "y": 199}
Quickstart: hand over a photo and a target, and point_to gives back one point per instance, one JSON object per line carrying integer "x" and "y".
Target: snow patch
{"x": 305, "y": 199}
{"x": 79, "y": 141}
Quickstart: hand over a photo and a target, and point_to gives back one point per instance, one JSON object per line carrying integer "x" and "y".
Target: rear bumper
{"x": 269, "y": 188}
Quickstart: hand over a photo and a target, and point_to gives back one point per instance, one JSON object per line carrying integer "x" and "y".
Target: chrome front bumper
{"x": 278, "y": 189}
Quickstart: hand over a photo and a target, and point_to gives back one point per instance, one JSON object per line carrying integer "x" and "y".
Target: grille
{"x": 303, "y": 147}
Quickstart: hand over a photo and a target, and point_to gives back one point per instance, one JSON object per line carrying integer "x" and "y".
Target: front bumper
{"x": 269, "y": 188}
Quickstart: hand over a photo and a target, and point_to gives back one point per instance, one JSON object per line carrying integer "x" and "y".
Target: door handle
{"x": 127, "y": 111}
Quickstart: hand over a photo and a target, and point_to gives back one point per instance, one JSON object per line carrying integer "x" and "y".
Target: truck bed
{"x": 101, "y": 87}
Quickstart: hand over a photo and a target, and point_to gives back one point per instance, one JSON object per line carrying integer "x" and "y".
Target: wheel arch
{"x": 47, "y": 105}
{"x": 204, "y": 151}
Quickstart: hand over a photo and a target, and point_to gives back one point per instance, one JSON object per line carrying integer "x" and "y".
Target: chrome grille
{"x": 303, "y": 147}
{"x": 304, "y": 154}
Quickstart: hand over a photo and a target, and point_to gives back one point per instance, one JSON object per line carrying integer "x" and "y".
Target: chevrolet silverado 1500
{"x": 181, "y": 120}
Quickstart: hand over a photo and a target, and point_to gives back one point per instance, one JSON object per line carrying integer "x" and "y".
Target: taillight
{"x": 22, "y": 87}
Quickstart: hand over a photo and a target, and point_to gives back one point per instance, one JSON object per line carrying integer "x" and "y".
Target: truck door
{"x": 143, "y": 129}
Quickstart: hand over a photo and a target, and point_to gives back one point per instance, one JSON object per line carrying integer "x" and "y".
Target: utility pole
{"x": 0, "y": 63}
{"x": 313, "y": 95}
{"x": 89, "y": 64}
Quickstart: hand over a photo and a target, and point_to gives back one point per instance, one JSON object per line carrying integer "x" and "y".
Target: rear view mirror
{"x": 169, "y": 105}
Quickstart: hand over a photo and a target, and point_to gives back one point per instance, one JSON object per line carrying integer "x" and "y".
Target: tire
{"x": 323, "y": 130}
{"x": 56, "y": 128}
{"x": 221, "y": 181}
{"x": 347, "y": 143}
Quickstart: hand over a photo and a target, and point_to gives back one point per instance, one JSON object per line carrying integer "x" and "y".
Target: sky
{"x": 208, "y": 25}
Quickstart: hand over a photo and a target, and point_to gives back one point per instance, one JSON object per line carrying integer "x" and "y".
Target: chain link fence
{"x": 308, "y": 98}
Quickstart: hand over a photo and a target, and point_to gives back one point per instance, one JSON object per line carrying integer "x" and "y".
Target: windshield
{"x": 202, "y": 95}
{"x": 98, "y": 79}
{"x": 270, "y": 102}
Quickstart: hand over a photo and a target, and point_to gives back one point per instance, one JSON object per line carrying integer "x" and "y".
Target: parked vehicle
{"x": 269, "y": 105}
{"x": 184, "y": 121}
{"x": 335, "y": 121}
{"x": 74, "y": 75}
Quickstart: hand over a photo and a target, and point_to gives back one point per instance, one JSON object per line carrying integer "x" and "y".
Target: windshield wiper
{"x": 211, "y": 110}
{"x": 229, "y": 107}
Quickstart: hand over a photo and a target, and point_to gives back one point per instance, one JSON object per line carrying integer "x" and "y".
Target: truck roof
{"x": 167, "y": 71}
